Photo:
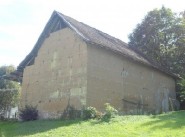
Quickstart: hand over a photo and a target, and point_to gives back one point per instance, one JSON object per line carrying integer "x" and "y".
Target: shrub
{"x": 110, "y": 112}
{"x": 28, "y": 113}
{"x": 71, "y": 113}
{"x": 89, "y": 113}
{"x": 99, "y": 115}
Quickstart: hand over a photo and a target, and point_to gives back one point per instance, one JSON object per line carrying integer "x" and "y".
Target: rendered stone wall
{"x": 127, "y": 85}
{"x": 66, "y": 70}
{"x": 58, "y": 75}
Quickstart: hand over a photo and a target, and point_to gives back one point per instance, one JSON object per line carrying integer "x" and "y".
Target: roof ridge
{"x": 101, "y": 32}
{"x": 71, "y": 26}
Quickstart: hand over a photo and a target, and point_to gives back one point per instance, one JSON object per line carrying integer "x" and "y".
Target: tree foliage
{"x": 182, "y": 90}
{"x": 182, "y": 14}
{"x": 9, "y": 91}
{"x": 161, "y": 37}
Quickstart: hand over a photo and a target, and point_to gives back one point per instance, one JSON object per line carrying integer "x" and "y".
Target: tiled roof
{"x": 90, "y": 35}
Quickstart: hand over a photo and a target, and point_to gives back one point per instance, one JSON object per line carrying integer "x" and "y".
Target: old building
{"x": 73, "y": 63}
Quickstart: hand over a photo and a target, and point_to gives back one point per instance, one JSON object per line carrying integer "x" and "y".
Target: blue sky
{"x": 22, "y": 21}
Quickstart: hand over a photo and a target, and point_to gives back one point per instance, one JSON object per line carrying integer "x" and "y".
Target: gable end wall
{"x": 58, "y": 76}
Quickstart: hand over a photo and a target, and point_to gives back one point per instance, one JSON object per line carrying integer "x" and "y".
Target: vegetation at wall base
{"x": 110, "y": 112}
{"x": 28, "y": 113}
{"x": 71, "y": 112}
{"x": 90, "y": 113}
{"x": 171, "y": 124}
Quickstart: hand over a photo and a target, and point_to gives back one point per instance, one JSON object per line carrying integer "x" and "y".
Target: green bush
{"x": 182, "y": 89}
{"x": 28, "y": 113}
{"x": 110, "y": 112}
{"x": 89, "y": 113}
{"x": 99, "y": 115}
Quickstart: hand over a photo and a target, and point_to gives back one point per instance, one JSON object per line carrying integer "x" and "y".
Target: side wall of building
{"x": 127, "y": 85}
{"x": 58, "y": 76}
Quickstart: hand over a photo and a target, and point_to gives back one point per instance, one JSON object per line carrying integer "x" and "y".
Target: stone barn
{"x": 73, "y": 63}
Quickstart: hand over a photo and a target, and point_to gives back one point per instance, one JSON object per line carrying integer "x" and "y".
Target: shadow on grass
{"x": 172, "y": 120}
{"x": 10, "y": 129}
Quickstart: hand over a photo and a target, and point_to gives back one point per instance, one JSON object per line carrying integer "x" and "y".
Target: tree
{"x": 182, "y": 14}
{"x": 9, "y": 91}
{"x": 182, "y": 89}
{"x": 181, "y": 92}
{"x": 161, "y": 37}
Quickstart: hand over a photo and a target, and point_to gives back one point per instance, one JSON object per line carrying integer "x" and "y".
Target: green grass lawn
{"x": 164, "y": 125}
